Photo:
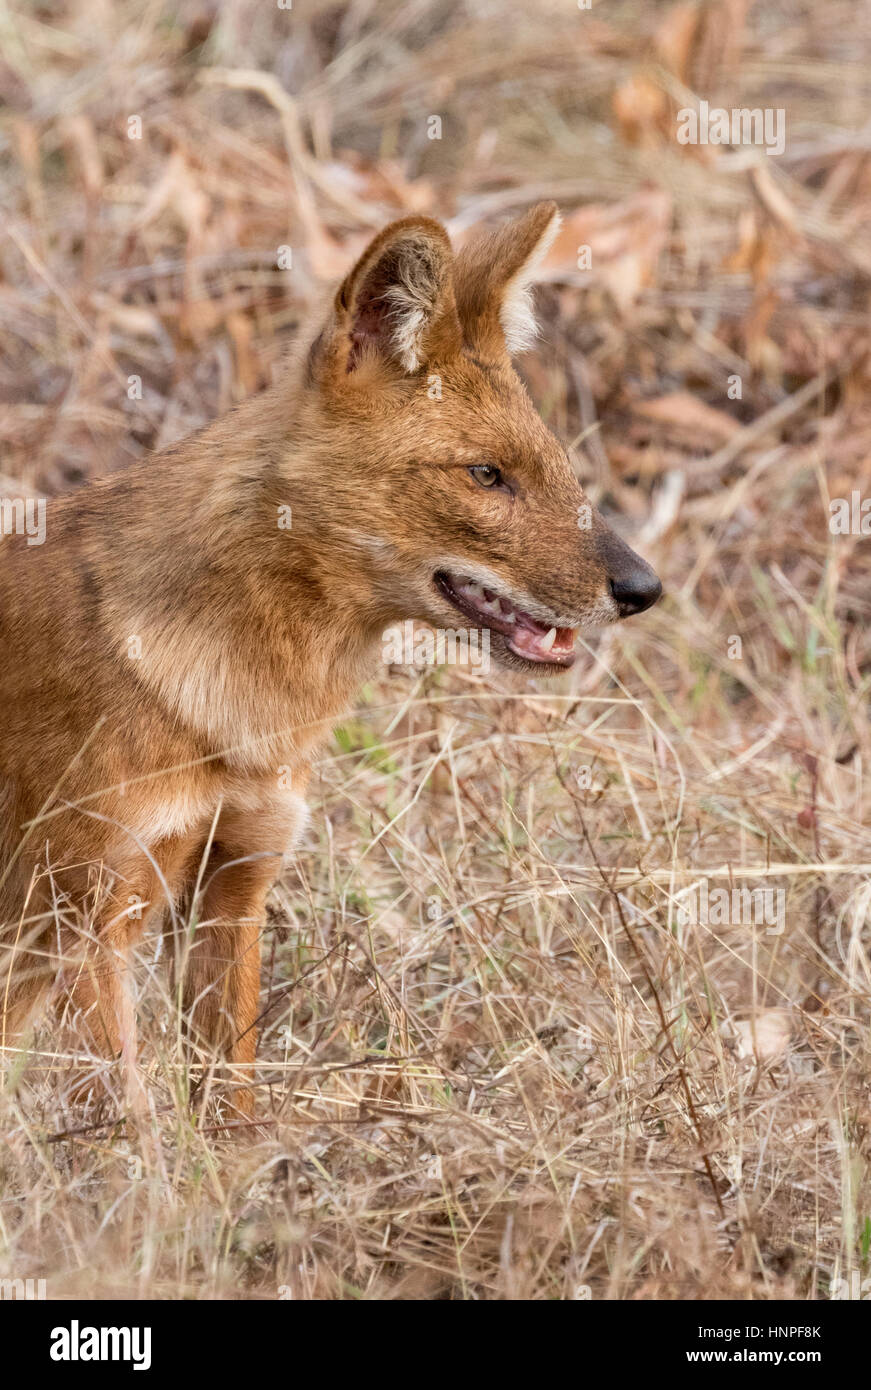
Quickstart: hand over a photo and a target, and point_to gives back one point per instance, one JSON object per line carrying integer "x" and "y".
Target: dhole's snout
{"x": 633, "y": 584}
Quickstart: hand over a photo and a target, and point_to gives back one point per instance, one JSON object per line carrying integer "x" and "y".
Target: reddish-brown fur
{"x": 172, "y": 657}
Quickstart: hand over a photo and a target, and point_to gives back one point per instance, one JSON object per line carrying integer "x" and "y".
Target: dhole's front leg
{"x": 93, "y": 996}
{"x": 221, "y": 971}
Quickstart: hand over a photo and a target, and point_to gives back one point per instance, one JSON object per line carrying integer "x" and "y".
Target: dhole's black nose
{"x": 635, "y": 589}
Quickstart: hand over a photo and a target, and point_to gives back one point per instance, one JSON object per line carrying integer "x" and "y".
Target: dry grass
{"x": 496, "y": 1063}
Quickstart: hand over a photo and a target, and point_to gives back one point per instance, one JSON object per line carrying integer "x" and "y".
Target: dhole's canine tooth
{"x": 196, "y": 632}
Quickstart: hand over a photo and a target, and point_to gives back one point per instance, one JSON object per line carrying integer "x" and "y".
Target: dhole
{"x": 173, "y": 655}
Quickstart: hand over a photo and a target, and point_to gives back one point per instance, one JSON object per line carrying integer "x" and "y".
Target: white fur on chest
{"x": 263, "y": 820}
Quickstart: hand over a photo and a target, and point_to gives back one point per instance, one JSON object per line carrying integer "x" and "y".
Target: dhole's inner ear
{"x": 396, "y": 307}
{"x": 492, "y": 278}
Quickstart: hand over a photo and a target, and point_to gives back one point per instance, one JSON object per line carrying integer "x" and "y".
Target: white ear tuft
{"x": 410, "y": 312}
{"x": 399, "y": 298}
{"x": 516, "y": 313}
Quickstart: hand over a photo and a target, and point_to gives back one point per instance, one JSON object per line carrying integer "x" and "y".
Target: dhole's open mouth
{"x": 524, "y": 635}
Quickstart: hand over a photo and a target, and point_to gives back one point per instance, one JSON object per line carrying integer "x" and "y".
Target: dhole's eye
{"x": 486, "y": 475}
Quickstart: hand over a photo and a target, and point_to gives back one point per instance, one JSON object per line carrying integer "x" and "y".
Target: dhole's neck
{"x": 230, "y": 600}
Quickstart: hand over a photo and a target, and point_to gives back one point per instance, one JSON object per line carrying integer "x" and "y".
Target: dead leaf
{"x": 624, "y": 242}
{"x": 773, "y": 199}
{"x": 241, "y": 331}
{"x": 718, "y": 45}
{"x": 687, "y": 414}
{"x": 675, "y": 39}
{"x": 642, "y": 110}
{"x": 79, "y": 130}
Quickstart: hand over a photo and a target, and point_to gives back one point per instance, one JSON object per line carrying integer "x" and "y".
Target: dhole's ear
{"x": 396, "y": 308}
{"x": 492, "y": 276}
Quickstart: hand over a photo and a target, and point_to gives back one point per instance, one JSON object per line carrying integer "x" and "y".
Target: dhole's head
{"x": 444, "y": 492}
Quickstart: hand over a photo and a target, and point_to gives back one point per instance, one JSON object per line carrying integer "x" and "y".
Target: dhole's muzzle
{"x": 531, "y": 630}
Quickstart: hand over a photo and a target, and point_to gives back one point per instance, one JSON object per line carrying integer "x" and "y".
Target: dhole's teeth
{"x": 547, "y": 641}
{"x": 474, "y": 590}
